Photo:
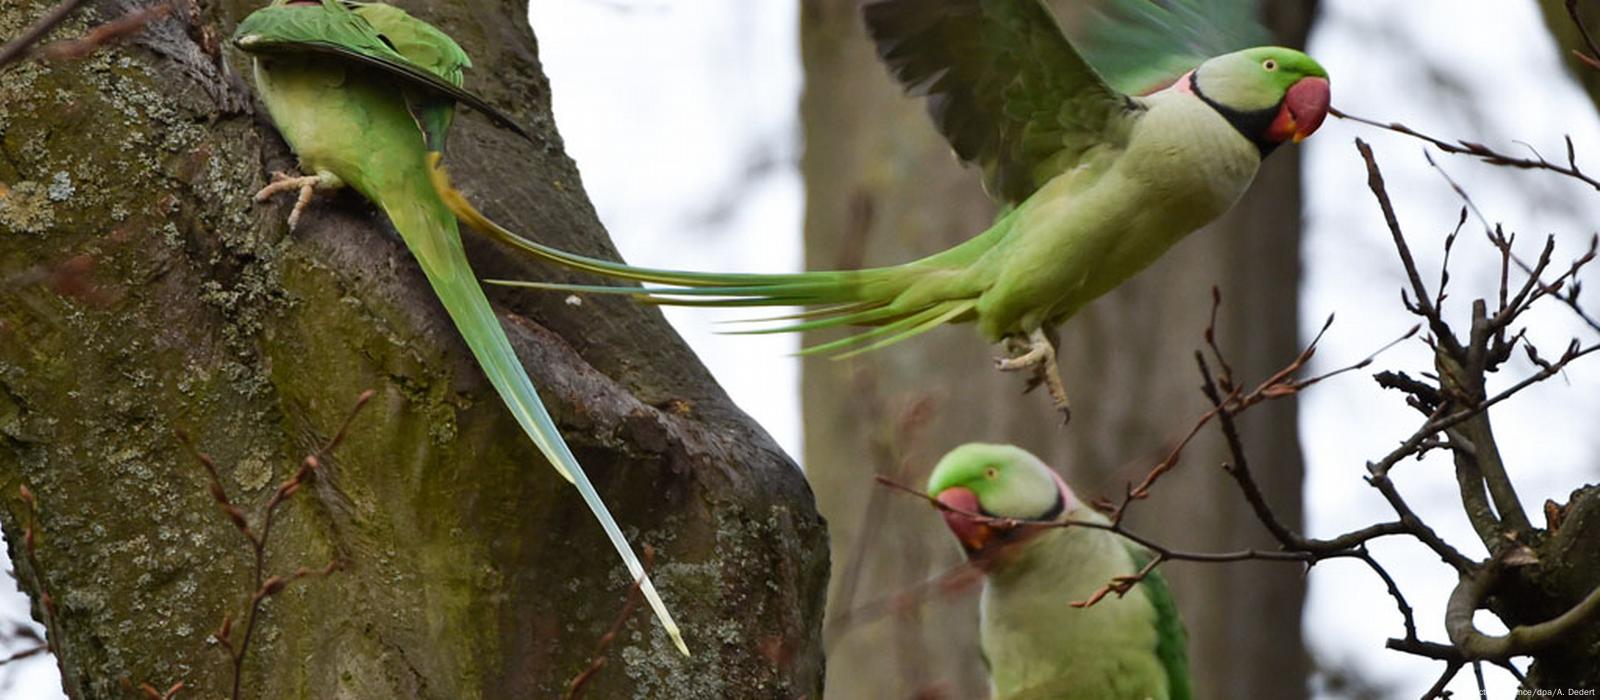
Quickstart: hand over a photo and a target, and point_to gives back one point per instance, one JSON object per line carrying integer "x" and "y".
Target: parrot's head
{"x": 997, "y": 481}
{"x": 1269, "y": 93}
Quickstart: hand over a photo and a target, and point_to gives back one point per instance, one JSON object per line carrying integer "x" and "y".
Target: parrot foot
{"x": 1037, "y": 354}
{"x": 306, "y": 185}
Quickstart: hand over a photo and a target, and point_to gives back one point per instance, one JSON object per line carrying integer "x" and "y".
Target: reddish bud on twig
{"x": 237, "y": 516}
{"x": 151, "y": 692}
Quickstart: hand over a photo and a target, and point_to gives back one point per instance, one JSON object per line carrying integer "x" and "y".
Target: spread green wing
{"x": 425, "y": 59}
{"x": 1141, "y": 46}
{"x": 1003, "y": 84}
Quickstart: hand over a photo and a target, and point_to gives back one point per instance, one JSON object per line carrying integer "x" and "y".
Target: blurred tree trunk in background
{"x": 882, "y": 188}
{"x": 143, "y": 293}
{"x": 1568, "y": 38}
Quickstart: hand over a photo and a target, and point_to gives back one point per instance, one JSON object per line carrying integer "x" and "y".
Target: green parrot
{"x": 1036, "y": 643}
{"x": 1096, "y": 183}
{"x": 364, "y": 93}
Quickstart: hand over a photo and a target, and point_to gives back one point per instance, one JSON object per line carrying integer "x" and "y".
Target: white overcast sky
{"x": 682, "y": 117}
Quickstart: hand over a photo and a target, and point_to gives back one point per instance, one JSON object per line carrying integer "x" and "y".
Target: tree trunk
{"x": 883, "y": 188}
{"x": 144, "y": 294}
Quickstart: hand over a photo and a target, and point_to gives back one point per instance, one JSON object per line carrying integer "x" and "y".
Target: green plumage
{"x": 1172, "y": 639}
{"x": 1097, "y": 183}
{"x": 1142, "y": 45}
{"x": 1036, "y": 644}
{"x": 364, "y": 93}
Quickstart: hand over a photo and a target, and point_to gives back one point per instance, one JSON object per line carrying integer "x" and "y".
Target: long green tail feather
{"x": 807, "y": 314}
{"x": 433, "y": 238}
{"x": 931, "y": 319}
{"x": 876, "y": 314}
{"x": 470, "y": 215}
{"x": 773, "y": 291}
{"x": 906, "y": 327}
{"x": 855, "y": 297}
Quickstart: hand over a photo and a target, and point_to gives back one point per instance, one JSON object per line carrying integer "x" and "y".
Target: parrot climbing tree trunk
{"x": 143, "y": 293}
{"x": 883, "y": 187}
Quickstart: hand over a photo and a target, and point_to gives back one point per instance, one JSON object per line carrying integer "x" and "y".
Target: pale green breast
{"x": 1089, "y": 230}
{"x": 1039, "y": 646}
{"x": 1188, "y": 160}
{"x": 343, "y": 119}
{"x": 1185, "y": 166}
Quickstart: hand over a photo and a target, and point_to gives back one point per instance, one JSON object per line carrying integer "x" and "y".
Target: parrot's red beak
{"x": 1304, "y": 107}
{"x": 973, "y": 534}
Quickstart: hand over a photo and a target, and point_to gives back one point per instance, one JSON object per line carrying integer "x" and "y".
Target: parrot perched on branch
{"x": 1036, "y": 642}
{"x": 365, "y": 93}
{"x": 1097, "y": 183}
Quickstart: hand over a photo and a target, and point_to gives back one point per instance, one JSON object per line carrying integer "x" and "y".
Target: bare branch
{"x": 1522, "y": 640}
{"x": 1422, "y": 306}
{"x": 629, "y": 604}
{"x": 1478, "y": 150}
{"x": 264, "y": 586}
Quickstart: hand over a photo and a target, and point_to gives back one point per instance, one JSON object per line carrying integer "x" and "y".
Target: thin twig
{"x": 98, "y": 37}
{"x": 1591, "y": 59}
{"x": 1407, "y": 615}
{"x": 1121, "y": 585}
{"x": 151, "y": 693}
{"x": 25, "y": 654}
{"x": 1280, "y": 384}
{"x": 30, "y": 542}
{"x": 1483, "y": 152}
{"x": 17, "y": 48}
{"x": 890, "y": 434}
{"x": 602, "y": 648}
{"x": 258, "y": 538}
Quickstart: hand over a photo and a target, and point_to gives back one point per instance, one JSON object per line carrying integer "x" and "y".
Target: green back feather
{"x": 1142, "y": 45}
{"x": 430, "y": 66}
{"x": 425, "y": 46}
{"x": 1003, "y": 84}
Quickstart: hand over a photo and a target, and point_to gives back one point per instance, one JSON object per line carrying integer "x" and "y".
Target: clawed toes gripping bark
{"x": 307, "y": 187}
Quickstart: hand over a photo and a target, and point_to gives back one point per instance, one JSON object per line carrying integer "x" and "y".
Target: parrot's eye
{"x": 991, "y": 473}
{"x": 1269, "y": 65}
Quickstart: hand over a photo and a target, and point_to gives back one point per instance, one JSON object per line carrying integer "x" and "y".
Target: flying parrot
{"x": 1096, "y": 183}
{"x": 364, "y": 94}
{"x": 1036, "y": 643}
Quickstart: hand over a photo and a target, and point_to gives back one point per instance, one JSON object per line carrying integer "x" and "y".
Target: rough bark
{"x": 145, "y": 294}
{"x": 883, "y": 188}
{"x": 1569, "y": 570}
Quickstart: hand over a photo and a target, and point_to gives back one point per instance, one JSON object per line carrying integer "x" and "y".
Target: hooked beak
{"x": 974, "y": 535}
{"x": 1304, "y": 108}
